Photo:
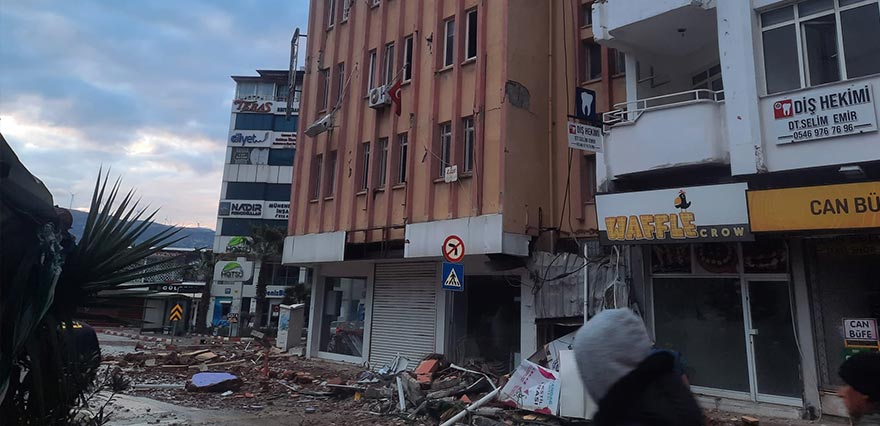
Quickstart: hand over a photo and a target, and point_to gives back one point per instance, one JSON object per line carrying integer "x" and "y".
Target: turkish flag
{"x": 394, "y": 93}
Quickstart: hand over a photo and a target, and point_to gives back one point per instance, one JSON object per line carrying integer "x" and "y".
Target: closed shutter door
{"x": 404, "y": 312}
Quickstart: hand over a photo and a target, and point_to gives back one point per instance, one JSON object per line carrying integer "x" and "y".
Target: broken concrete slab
{"x": 205, "y": 356}
{"x": 213, "y": 382}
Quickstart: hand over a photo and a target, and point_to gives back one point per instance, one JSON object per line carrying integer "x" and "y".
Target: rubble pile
{"x": 247, "y": 375}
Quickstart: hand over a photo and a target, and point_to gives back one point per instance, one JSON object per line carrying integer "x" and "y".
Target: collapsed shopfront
{"x": 713, "y": 291}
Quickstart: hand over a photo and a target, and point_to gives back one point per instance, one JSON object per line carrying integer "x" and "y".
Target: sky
{"x": 140, "y": 87}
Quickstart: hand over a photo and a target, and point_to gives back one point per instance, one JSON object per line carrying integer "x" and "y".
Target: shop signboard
{"x": 714, "y": 213}
{"x": 585, "y": 137}
{"x": 261, "y": 106}
{"x": 845, "y": 206}
{"x": 235, "y": 244}
{"x": 860, "y": 332}
{"x": 276, "y": 210}
{"x": 251, "y": 138}
{"x": 235, "y": 270}
{"x": 823, "y": 113}
{"x": 241, "y": 208}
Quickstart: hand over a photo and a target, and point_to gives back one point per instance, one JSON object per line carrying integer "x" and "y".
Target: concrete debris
{"x": 213, "y": 382}
{"x": 750, "y": 421}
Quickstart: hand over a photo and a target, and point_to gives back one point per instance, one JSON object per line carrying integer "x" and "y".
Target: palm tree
{"x": 45, "y": 364}
{"x": 267, "y": 243}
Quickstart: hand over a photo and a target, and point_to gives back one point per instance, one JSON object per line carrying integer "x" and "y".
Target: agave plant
{"x": 46, "y": 365}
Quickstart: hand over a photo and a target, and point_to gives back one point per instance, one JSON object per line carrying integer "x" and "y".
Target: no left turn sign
{"x": 453, "y": 249}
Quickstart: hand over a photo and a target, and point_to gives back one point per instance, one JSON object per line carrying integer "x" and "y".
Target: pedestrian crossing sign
{"x": 453, "y": 276}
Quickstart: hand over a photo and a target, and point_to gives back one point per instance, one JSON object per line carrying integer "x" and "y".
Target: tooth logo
{"x": 783, "y": 109}
{"x": 586, "y": 103}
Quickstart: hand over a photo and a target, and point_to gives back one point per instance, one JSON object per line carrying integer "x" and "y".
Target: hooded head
{"x": 608, "y": 347}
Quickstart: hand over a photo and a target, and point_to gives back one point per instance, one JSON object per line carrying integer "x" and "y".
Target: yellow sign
{"x": 176, "y": 313}
{"x": 847, "y": 206}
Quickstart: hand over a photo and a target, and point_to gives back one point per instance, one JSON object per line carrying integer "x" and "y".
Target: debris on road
{"x": 213, "y": 382}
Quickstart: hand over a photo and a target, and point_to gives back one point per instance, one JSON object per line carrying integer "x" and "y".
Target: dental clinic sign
{"x": 824, "y": 113}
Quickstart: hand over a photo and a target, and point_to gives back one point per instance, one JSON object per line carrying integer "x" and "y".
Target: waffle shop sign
{"x": 714, "y": 213}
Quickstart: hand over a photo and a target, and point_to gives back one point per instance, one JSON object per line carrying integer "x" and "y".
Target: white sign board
{"x": 276, "y": 210}
{"x": 712, "y": 213}
{"x": 823, "y": 113}
{"x": 241, "y": 208}
{"x": 533, "y": 388}
{"x": 860, "y": 329}
{"x": 450, "y": 174}
{"x": 584, "y": 137}
{"x": 251, "y": 138}
{"x": 236, "y": 270}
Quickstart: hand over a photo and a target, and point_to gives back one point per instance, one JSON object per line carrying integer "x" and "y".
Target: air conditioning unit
{"x": 322, "y": 125}
{"x": 379, "y": 98}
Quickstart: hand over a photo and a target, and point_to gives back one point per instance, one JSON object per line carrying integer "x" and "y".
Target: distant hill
{"x": 194, "y": 237}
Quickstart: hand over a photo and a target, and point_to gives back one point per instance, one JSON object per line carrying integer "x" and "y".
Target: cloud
{"x": 142, "y": 88}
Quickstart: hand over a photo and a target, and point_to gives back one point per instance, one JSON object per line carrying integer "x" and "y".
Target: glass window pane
{"x": 776, "y": 353}
{"x": 281, "y": 157}
{"x": 844, "y": 3}
{"x": 820, "y": 38}
{"x": 781, "y": 60}
{"x": 777, "y": 16}
{"x": 860, "y": 26}
{"x": 671, "y": 258}
{"x": 810, "y": 7}
{"x": 716, "y": 258}
{"x": 342, "y": 322}
{"x": 595, "y": 61}
{"x": 765, "y": 257}
{"x": 703, "y": 319}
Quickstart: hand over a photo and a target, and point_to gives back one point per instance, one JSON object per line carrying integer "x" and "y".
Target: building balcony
{"x": 667, "y": 131}
{"x": 659, "y": 27}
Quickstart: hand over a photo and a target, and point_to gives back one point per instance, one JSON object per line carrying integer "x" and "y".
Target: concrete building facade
{"x": 477, "y": 149}
{"x": 257, "y": 176}
{"x": 743, "y": 172}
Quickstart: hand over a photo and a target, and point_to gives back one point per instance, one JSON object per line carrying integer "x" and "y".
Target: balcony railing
{"x": 626, "y": 113}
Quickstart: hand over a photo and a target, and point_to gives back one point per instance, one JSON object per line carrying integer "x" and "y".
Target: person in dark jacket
{"x": 633, "y": 385}
{"x": 861, "y": 395}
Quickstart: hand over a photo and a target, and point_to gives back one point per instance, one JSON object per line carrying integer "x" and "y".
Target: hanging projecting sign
{"x": 823, "y": 113}
{"x": 236, "y": 270}
{"x": 584, "y": 137}
{"x": 845, "y": 206}
{"x": 585, "y": 104}
{"x": 241, "y": 208}
{"x": 711, "y": 213}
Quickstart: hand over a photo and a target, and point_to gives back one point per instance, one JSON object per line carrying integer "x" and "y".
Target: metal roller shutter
{"x": 404, "y": 312}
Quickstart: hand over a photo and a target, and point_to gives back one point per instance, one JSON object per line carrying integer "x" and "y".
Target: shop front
{"x": 712, "y": 291}
{"x": 838, "y": 227}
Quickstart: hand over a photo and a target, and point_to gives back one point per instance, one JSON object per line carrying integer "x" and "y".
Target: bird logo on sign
{"x": 176, "y": 313}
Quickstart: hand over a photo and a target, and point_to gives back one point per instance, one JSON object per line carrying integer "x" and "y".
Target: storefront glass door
{"x": 777, "y": 369}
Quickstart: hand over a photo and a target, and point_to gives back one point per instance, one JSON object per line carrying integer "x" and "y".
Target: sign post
{"x": 175, "y": 317}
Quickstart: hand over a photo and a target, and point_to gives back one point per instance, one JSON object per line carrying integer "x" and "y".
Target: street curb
{"x": 164, "y": 340}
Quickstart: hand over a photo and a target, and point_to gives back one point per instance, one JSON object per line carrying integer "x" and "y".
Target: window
{"x": 592, "y": 62}
{"x": 342, "y": 322}
{"x": 316, "y": 176}
{"x": 365, "y": 177}
{"x": 277, "y": 192}
{"x": 281, "y": 123}
{"x": 445, "y": 147}
{"x": 282, "y": 275}
{"x": 371, "y": 82}
{"x": 709, "y": 79}
{"x": 389, "y": 63}
{"x": 346, "y": 10}
{"x": 449, "y": 43}
{"x": 340, "y": 81}
{"x": 330, "y": 187}
{"x": 469, "y": 135}
{"x": 245, "y": 121}
{"x": 281, "y": 157}
{"x": 407, "y": 58}
{"x": 588, "y": 178}
{"x": 255, "y": 89}
{"x": 471, "y": 47}
{"x": 236, "y": 227}
{"x": 245, "y": 190}
{"x": 619, "y": 63}
{"x": 402, "y": 147}
{"x": 281, "y": 92}
{"x": 382, "y": 160}
{"x": 324, "y": 83}
{"x": 587, "y": 15}
{"x": 331, "y": 13}
{"x": 802, "y": 44}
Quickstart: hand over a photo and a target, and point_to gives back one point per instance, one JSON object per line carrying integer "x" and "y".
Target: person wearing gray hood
{"x": 632, "y": 385}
